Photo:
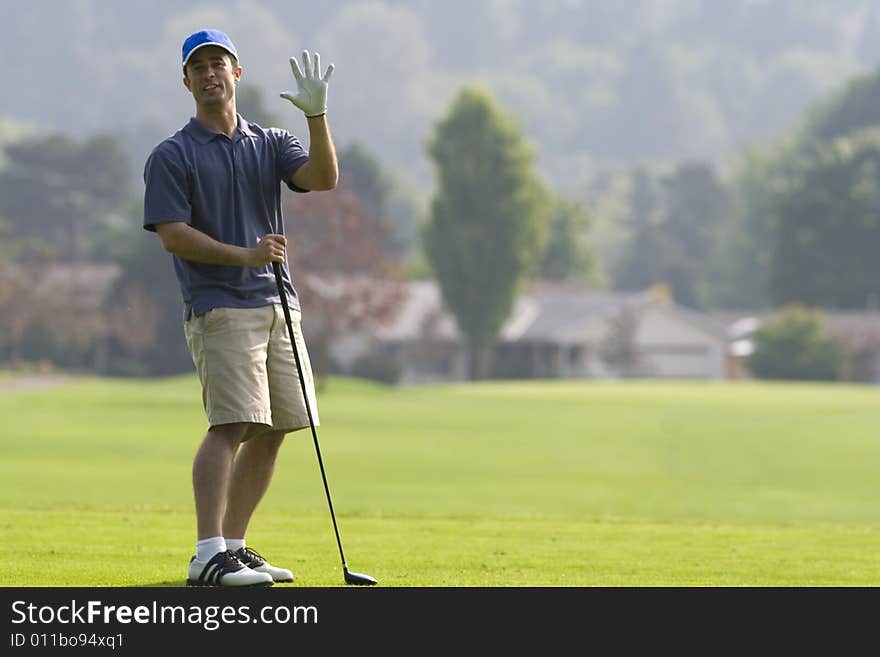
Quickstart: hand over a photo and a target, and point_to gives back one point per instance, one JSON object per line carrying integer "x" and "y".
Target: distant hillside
{"x": 594, "y": 83}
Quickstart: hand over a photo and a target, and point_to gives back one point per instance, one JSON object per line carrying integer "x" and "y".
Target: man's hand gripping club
{"x": 271, "y": 248}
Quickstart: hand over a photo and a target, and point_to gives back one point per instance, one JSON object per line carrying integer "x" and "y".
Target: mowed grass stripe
{"x": 151, "y": 548}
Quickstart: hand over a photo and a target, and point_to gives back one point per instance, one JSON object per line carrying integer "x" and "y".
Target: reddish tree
{"x": 345, "y": 282}
{"x": 61, "y": 303}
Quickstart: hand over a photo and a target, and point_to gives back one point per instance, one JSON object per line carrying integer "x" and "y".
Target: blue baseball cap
{"x": 207, "y": 38}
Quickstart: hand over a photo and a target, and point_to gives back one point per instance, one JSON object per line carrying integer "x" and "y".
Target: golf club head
{"x": 358, "y": 579}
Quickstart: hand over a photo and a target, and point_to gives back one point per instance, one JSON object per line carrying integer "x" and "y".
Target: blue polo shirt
{"x": 229, "y": 189}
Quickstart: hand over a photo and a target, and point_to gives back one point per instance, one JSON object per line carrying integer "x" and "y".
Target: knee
{"x": 271, "y": 441}
{"x": 263, "y": 435}
{"x": 229, "y": 435}
{"x": 264, "y": 441}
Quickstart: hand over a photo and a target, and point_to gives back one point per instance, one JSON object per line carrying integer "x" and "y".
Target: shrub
{"x": 377, "y": 367}
{"x": 796, "y": 346}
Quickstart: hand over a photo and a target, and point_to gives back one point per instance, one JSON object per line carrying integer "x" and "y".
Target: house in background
{"x": 859, "y": 332}
{"x": 556, "y": 330}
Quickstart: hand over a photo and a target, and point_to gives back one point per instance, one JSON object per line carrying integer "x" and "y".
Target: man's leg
{"x": 251, "y": 473}
{"x": 211, "y": 471}
{"x": 213, "y": 565}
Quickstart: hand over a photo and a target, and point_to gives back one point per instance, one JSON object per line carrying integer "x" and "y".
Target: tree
{"x": 488, "y": 219}
{"x": 568, "y": 255}
{"x": 852, "y": 108}
{"x": 674, "y": 222}
{"x": 743, "y": 246}
{"x": 55, "y": 312}
{"x": 639, "y": 265}
{"x": 146, "y": 326}
{"x": 768, "y": 181}
{"x": 362, "y": 175}
{"x": 60, "y": 193}
{"x": 386, "y": 202}
{"x": 696, "y": 205}
{"x": 344, "y": 281}
{"x": 795, "y": 346}
{"x": 828, "y": 226}
{"x": 21, "y": 310}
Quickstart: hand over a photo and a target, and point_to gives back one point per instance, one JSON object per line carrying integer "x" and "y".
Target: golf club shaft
{"x": 281, "y": 293}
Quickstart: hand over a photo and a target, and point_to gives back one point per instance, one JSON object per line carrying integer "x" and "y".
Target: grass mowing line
{"x": 149, "y": 548}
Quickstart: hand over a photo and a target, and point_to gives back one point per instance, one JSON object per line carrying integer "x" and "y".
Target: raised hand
{"x": 311, "y": 95}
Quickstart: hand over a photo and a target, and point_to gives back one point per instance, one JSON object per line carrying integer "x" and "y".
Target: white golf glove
{"x": 311, "y": 95}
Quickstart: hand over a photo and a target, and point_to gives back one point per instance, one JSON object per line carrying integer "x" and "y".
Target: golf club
{"x": 357, "y": 579}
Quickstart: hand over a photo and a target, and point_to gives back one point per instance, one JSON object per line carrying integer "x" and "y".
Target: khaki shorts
{"x": 247, "y": 367}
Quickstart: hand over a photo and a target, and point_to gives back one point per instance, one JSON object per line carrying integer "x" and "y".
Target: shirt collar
{"x": 200, "y": 132}
{"x": 245, "y": 127}
{"x": 203, "y": 134}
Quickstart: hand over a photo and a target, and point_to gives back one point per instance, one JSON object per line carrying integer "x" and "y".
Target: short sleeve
{"x": 291, "y": 156}
{"x": 166, "y": 193}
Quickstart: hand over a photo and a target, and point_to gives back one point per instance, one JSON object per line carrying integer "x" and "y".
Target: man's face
{"x": 211, "y": 76}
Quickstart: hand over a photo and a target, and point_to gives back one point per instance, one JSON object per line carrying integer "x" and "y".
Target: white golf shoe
{"x": 224, "y": 569}
{"x": 253, "y": 560}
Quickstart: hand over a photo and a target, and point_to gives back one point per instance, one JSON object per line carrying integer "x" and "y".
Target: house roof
{"x": 855, "y": 328}
{"x": 562, "y": 312}
{"x": 546, "y": 312}
{"x": 704, "y": 322}
{"x": 421, "y": 316}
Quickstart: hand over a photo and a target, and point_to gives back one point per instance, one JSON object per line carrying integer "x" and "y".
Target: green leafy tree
{"x": 697, "y": 204}
{"x": 743, "y": 246}
{"x": 61, "y": 194}
{"x": 385, "y": 204}
{"x": 796, "y": 346}
{"x": 361, "y": 174}
{"x": 674, "y": 223}
{"x": 488, "y": 219}
{"x": 774, "y": 236}
{"x": 639, "y": 264}
{"x": 147, "y": 323}
{"x": 853, "y": 107}
{"x": 828, "y": 226}
{"x": 568, "y": 255}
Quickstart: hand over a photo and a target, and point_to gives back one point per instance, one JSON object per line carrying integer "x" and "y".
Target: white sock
{"x": 234, "y": 544}
{"x": 208, "y": 547}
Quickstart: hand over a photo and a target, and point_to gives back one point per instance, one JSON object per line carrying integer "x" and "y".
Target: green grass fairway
{"x": 492, "y": 484}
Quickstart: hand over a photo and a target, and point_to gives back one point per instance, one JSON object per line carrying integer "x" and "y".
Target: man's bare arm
{"x": 321, "y": 172}
{"x": 188, "y": 243}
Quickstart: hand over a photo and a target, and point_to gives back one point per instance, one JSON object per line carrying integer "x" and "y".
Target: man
{"x": 213, "y": 195}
